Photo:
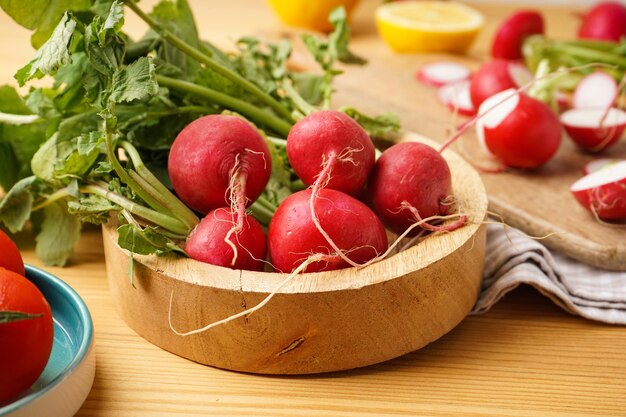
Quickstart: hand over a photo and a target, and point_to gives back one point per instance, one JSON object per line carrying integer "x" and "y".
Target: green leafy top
{"x": 111, "y": 95}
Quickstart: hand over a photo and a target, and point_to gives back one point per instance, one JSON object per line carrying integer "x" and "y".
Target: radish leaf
{"x": 59, "y": 231}
{"x": 51, "y": 55}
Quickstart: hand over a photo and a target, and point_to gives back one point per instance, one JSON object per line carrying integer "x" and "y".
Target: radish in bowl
{"x": 603, "y": 192}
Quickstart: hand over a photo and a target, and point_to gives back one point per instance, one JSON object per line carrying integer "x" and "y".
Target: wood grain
{"x": 525, "y": 357}
{"x": 318, "y": 322}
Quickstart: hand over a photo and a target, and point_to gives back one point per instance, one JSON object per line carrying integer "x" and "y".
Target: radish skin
{"x": 293, "y": 237}
{"x": 518, "y": 130}
{"x": 215, "y": 155}
{"x": 508, "y": 40}
{"x": 594, "y": 129}
{"x": 603, "y": 192}
{"x": 442, "y": 73}
{"x": 605, "y": 21}
{"x": 409, "y": 175}
{"x": 209, "y": 241}
{"x": 326, "y": 135}
{"x": 495, "y": 76}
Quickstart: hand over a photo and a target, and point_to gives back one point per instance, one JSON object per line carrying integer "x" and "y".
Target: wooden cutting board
{"x": 537, "y": 202}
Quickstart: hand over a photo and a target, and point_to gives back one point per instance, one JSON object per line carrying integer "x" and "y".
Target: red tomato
{"x": 25, "y": 344}
{"x": 10, "y": 257}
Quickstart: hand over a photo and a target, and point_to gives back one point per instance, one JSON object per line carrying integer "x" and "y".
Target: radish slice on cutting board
{"x": 594, "y": 129}
{"x": 457, "y": 97}
{"x": 597, "y": 164}
{"x": 597, "y": 90}
{"x": 442, "y": 73}
{"x": 603, "y": 192}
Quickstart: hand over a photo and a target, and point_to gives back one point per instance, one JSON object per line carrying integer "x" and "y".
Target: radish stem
{"x": 159, "y": 219}
{"x": 240, "y": 106}
{"x": 210, "y": 62}
{"x": 163, "y": 194}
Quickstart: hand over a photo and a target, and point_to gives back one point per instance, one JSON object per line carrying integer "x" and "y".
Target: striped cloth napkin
{"x": 513, "y": 259}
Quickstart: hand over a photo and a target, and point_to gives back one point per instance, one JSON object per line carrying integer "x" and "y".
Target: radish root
{"x": 237, "y": 198}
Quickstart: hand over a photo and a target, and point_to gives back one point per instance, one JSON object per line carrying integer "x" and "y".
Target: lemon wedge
{"x": 428, "y": 26}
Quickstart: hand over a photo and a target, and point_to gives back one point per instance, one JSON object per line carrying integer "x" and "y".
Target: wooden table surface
{"x": 525, "y": 357}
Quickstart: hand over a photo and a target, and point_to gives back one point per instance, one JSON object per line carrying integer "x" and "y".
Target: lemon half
{"x": 428, "y": 26}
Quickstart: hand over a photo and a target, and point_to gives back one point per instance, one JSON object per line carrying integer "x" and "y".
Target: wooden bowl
{"x": 319, "y": 322}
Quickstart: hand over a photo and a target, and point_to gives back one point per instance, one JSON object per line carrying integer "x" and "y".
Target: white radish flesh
{"x": 594, "y": 129}
{"x": 600, "y": 163}
{"x": 457, "y": 97}
{"x": 597, "y": 90}
{"x": 442, "y": 73}
{"x": 603, "y": 192}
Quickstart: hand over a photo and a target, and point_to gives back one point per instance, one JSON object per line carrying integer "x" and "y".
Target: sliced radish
{"x": 442, "y": 73}
{"x": 603, "y": 192}
{"x": 563, "y": 100}
{"x": 589, "y": 131}
{"x": 457, "y": 97}
{"x": 495, "y": 76}
{"x": 597, "y": 164}
{"x": 597, "y": 89}
{"x": 507, "y": 43}
{"x": 504, "y": 129}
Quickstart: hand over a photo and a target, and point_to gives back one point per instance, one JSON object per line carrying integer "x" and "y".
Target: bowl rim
{"x": 191, "y": 272}
{"x": 72, "y": 297}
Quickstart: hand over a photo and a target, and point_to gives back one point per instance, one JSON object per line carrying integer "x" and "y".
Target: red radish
{"x": 215, "y": 156}
{"x": 597, "y": 164}
{"x": 293, "y": 237}
{"x": 410, "y": 182}
{"x": 597, "y": 89}
{"x": 603, "y": 192}
{"x": 563, "y": 100}
{"x": 605, "y": 21}
{"x": 331, "y": 138}
{"x": 456, "y": 97}
{"x": 507, "y": 43}
{"x": 594, "y": 129}
{"x": 496, "y": 76}
{"x": 518, "y": 130}
{"x": 442, "y": 73}
{"x": 213, "y": 242}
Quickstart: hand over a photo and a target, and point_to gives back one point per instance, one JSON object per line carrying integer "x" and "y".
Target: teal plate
{"x": 67, "y": 379}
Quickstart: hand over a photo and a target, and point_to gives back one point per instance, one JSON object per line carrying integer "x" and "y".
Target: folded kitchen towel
{"x": 513, "y": 259}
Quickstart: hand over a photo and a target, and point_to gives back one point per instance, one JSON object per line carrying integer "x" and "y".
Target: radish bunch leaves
{"x": 60, "y": 145}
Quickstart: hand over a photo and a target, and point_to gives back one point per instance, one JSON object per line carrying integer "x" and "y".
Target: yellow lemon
{"x": 428, "y": 26}
{"x": 309, "y": 14}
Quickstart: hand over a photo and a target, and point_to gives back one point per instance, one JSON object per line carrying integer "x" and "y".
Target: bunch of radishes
{"x": 220, "y": 164}
{"x": 514, "y": 124}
